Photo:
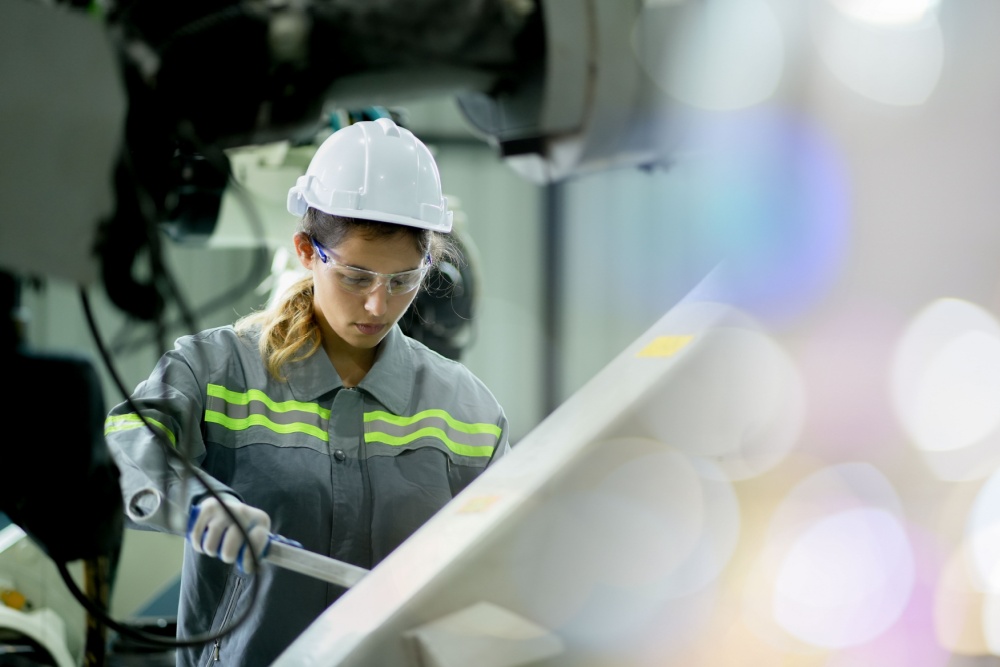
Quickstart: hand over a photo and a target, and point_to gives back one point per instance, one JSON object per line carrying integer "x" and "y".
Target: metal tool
{"x": 290, "y": 555}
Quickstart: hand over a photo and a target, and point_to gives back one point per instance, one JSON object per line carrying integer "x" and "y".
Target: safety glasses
{"x": 361, "y": 281}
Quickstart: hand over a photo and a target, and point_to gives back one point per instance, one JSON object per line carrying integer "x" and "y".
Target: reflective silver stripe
{"x": 463, "y": 438}
{"x": 237, "y": 411}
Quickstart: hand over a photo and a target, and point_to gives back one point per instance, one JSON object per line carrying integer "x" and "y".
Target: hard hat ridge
{"x": 375, "y": 170}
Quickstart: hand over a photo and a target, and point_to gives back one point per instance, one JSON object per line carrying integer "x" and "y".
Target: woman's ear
{"x": 304, "y": 249}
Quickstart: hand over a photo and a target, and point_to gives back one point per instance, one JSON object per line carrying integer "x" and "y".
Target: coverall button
{"x": 339, "y": 454}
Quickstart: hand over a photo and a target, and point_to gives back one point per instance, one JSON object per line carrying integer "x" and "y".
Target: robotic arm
{"x": 123, "y": 135}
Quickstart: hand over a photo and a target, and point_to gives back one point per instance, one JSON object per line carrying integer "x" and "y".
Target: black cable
{"x": 138, "y": 182}
{"x": 90, "y": 605}
{"x": 161, "y": 283}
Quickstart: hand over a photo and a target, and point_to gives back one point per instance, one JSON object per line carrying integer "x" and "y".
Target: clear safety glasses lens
{"x": 362, "y": 281}
{"x": 359, "y": 281}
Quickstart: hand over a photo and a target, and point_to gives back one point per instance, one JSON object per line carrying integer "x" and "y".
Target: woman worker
{"x": 316, "y": 419}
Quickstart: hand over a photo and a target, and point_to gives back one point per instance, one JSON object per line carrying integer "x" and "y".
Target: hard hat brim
{"x": 444, "y": 225}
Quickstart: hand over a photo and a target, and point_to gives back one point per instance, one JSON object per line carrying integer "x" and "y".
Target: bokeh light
{"x": 730, "y": 55}
{"x": 651, "y": 529}
{"x": 958, "y": 402}
{"x": 945, "y": 387}
{"x": 735, "y": 399}
{"x": 958, "y": 606}
{"x": 720, "y": 532}
{"x": 911, "y": 639}
{"x": 845, "y": 580}
{"x": 983, "y": 533}
{"x": 889, "y": 52}
{"x": 767, "y": 191}
{"x": 991, "y": 621}
{"x": 837, "y": 568}
{"x": 886, "y": 12}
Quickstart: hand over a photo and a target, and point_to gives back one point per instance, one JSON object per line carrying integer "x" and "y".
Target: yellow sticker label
{"x": 13, "y": 599}
{"x": 478, "y": 504}
{"x": 665, "y": 346}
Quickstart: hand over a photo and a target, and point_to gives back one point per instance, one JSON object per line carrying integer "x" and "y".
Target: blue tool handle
{"x": 281, "y": 539}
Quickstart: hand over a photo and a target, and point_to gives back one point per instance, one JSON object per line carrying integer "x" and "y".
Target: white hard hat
{"x": 374, "y": 170}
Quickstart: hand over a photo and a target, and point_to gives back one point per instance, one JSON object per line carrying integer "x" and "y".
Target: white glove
{"x": 211, "y": 530}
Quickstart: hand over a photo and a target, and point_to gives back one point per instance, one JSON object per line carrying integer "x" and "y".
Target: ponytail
{"x": 288, "y": 330}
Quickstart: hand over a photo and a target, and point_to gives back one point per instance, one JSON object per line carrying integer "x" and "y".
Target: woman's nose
{"x": 376, "y": 302}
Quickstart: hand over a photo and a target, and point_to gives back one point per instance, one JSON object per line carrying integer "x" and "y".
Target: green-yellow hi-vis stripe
{"x": 263, "y": 419}
{"x": 412, "y": 430}
{"x": 464, "y": 427}
{"x": 132, "y": 420}
{"x": 244, "y": 398}
{"x": 458, "y": 448}
{"x": 242, "y": 423}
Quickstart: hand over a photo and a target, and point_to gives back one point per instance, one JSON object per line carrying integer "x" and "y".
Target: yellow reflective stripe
{"x": 397, "y": 441}
{"x": 244, "y": 398}
{"x": 464, "y": 427}
{"x": 132, "y": 420}
{"x": 242, "y": 423}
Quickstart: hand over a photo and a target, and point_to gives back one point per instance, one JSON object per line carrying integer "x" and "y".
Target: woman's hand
{"x": 212, "y": 531}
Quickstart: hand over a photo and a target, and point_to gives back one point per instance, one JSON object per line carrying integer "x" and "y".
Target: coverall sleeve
{"x": 503, "y": 443}
{"x": 152, "y": 434}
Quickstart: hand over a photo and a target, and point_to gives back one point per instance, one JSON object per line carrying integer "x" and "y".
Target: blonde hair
{"x": 288, "y": 329}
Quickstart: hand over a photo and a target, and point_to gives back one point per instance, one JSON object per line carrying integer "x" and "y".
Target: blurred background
{"x": 840, "y": 159}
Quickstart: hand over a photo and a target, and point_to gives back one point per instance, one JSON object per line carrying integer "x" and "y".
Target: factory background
{"x": 842, "y": 168}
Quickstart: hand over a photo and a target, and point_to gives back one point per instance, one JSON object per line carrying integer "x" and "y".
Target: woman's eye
{"x": 356, "y": 281}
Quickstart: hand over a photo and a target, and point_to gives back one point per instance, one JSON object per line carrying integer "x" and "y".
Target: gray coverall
{"x": 347, "y": 472}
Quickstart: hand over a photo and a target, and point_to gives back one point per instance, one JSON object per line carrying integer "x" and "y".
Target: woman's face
{"x": 359, "y": 321}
